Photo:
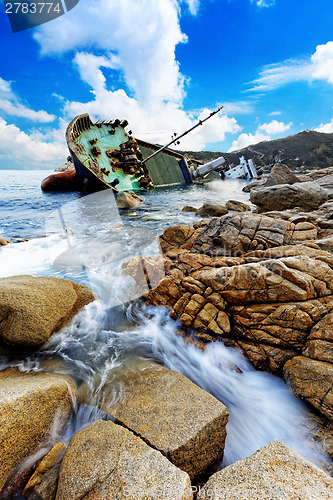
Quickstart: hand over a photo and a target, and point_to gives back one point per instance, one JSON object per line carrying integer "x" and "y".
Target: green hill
{"x": 306, "y": 149}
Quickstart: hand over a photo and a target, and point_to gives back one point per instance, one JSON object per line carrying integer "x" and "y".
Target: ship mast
{"x": 200, "y": 122}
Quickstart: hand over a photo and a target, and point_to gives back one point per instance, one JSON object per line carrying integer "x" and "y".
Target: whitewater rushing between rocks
{"x": 261, "y": 406}
{"x": 111, "y": 363}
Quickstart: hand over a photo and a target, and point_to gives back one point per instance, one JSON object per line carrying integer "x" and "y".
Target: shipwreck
{"x": 103, "y": 155}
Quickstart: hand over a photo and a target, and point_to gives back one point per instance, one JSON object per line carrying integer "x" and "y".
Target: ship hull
{"x": 105, "y": 156}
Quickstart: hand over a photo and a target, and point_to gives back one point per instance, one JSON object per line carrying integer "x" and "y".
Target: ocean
{"x": 85, "y": 238}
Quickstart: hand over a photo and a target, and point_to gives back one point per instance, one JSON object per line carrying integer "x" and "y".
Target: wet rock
{"x": 312, "y": 381}
{"x": 265, "y": 357}
{"x": 200, "y": 223}
{"x": 32, "y": 309}
{"x": 105, "y": 460}
{"x": 211, "y": 210}
{"x": 4, "y": 241}
{"x": 44, "y": 482}
{"x": 34, "y": 409}
{"x": 274, "y": 471}
{"x": 176, "y": 237}
{"x": 307, "y": 195}
{"x": 188, "y": 208}
{"x": 128, "y": 200}
{"x": 237, "y": 206}
{"x": 170, "y": 413}
{"x": 281, "y": 174}
{"x": 321, "y": 429}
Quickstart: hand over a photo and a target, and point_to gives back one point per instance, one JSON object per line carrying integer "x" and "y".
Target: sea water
{"x": 83, "y": 237}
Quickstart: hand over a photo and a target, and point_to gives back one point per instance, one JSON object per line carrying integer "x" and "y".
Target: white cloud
{"x": 322, "y": 63}
{"x": 31, "y": 149}
{"x": 275, "y": 113}
{"x": 193, "y": 6}
{"x": 264, "y": 3}
{"x": 326, "y": 128}
{"x": 277, "y": 75}
{"x": 125, "y": 51}
{"x": 274, "y": 127}
{"x": 141, "y": 36}
{"x": 245, "y": 140}
{"x": 4, "y": 86}
{"x": 318, "y": 67}
{"x": 9, "y": 104}
{"x": 238, "y": 108}
{"x": 263, "y": 133}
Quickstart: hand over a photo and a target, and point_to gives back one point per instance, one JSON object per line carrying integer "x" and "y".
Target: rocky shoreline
{"x": 261, "y": 282}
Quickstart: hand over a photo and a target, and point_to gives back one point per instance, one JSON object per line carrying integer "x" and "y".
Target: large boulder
{"x": 312, "y": 380}
{"x": 105, "y": 460}
{"x": 34, "y": 409}
{"x": 307, "y": 195}
{"x": 168, "y": 412}
{"x": 32, "y": 309}
{"x": 274, "y": 471}
{"x": 281, "y": 174}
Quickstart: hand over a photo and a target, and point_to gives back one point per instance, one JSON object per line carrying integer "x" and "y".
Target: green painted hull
{"x": 107, "y": 157}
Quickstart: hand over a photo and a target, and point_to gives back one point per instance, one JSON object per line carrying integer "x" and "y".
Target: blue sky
{"x": 162, "y": 65}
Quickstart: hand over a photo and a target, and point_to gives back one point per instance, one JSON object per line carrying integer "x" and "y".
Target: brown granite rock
{"x": 312, "y": 381}
{"x": 211, "y": 210}
{"x": 307, "y": 195}
{"x": 175, "y": 237}
{"x": 287, "y": 279}
{"x": 256, "y": 282}
{"x": 325, "y": 243}
{"x": 265, "y": 357}
{"x": 273, "y": 472}
{"x": 281, "y": 174}
{"x": 237, "y": 206}
{"x": 34, "y": 408}
{"x": 127, "y": 200}
{"x": 32, "y": 309}
{"x": 188, "y": 208}
{"x": 253, "y": 185}
{"x": 268, "y": 301}
{"x": 235, "y": 234}
{"x": 284, "y": 325}
{"x": 168, "y": 412}
{"x": 4, "y": 241}
{"x": 107, "y": 461}
{"x": 44, "y": 482}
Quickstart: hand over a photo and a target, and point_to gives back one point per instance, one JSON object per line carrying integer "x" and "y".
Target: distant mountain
{"x": 304, "y": 150}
